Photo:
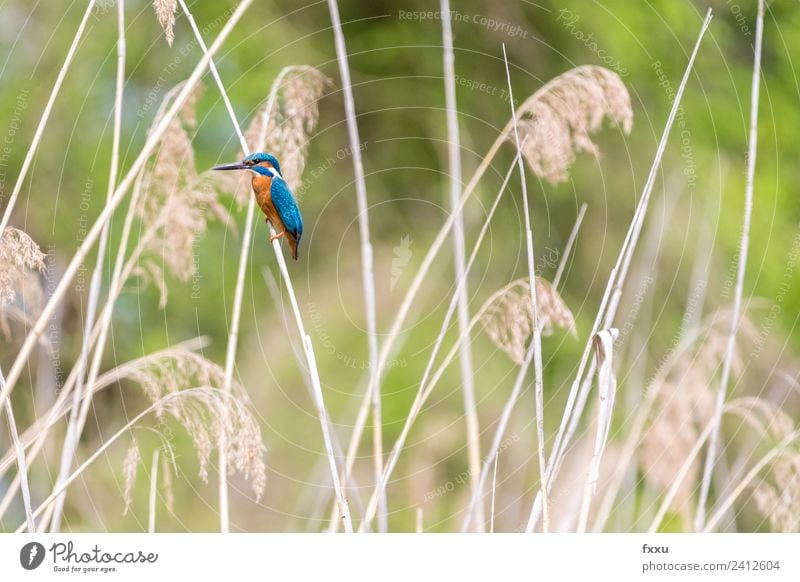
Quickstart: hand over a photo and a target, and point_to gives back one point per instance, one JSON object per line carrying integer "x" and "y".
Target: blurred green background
{"x": 396, "y": 64}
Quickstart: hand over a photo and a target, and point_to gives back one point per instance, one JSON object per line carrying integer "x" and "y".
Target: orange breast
{"x": 261, "y": 187}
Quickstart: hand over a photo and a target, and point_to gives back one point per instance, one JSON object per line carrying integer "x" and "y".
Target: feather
{"x": 287, "y": 210}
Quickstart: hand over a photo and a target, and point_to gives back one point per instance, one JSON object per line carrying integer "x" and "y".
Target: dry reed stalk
{"x": 611, "y": 297}
{"x": 308, "y": 348}
{"x": 508, "y": 408}
{"x": 494, "y": 492}
{"x": 607, "y": 390}
{"x": 744, "y": 243}
{"x": 300, "y": 87}
{"x": 499, "y": 435}
{"x": 425, "y": 387}
{"x": 169, "y": 197}
{"x": 71, "y": 440}
{"x": 48, "y": 108}
{"x": 489, "y": 304}
{"x": 388, "y": 347}
{"x": 151, "y": 507}
{"x": 573, "y": 235}
{"x": 367, "y": 275}
{"x": 728, "y": 501}
{"x": 166, "y": 477}
{"x": 22, "y": 465}
{"x": 530, "y": 253}
{"x": 94, "y": 232}
{"x": 684, "y": 352}
{"x": 459, "y": 252}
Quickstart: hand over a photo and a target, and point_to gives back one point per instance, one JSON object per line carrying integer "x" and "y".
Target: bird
{"x": 273, "y": 196}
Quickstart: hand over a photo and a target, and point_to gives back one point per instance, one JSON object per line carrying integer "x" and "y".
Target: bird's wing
{"x": 285, "y": 205}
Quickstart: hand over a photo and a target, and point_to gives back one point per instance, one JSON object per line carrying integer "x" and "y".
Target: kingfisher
{"x": 273, "y": 196}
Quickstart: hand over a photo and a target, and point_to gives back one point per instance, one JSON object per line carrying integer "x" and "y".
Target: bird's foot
{"x": 279, "y": 235}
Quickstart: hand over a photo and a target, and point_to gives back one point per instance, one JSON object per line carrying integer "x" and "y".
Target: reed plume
{"x": 165, "y": 12}
{"x": 507, "y": 317}
{"x": 19, "y": 255}
{"x": 207, "y": 416}
{"x": 779, "y": 501}
{"x": 130, "y": 467}
{"x": 20, "y": 261}
{"x": 557, "y": 121}
{"x": 684, "y": 404}
{"x": 175, "y": 201}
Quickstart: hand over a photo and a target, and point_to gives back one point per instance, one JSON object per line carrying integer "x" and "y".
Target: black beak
{"x": 233, "y": 166}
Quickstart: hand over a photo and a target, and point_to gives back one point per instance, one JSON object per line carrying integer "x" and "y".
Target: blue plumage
{"x": 286, "y": 206}
{"x": 261, "y": 157}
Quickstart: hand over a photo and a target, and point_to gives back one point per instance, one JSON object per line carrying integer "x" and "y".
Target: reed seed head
{"x": 129, "y": 469}
{"x": 507, "y": 316}
{"x": 176, "y": 201}
{"x": 165, "y": 12}
{"x": 557, "y": 121}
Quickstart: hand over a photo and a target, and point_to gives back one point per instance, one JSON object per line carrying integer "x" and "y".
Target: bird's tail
{"x": 294, "y": 244}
